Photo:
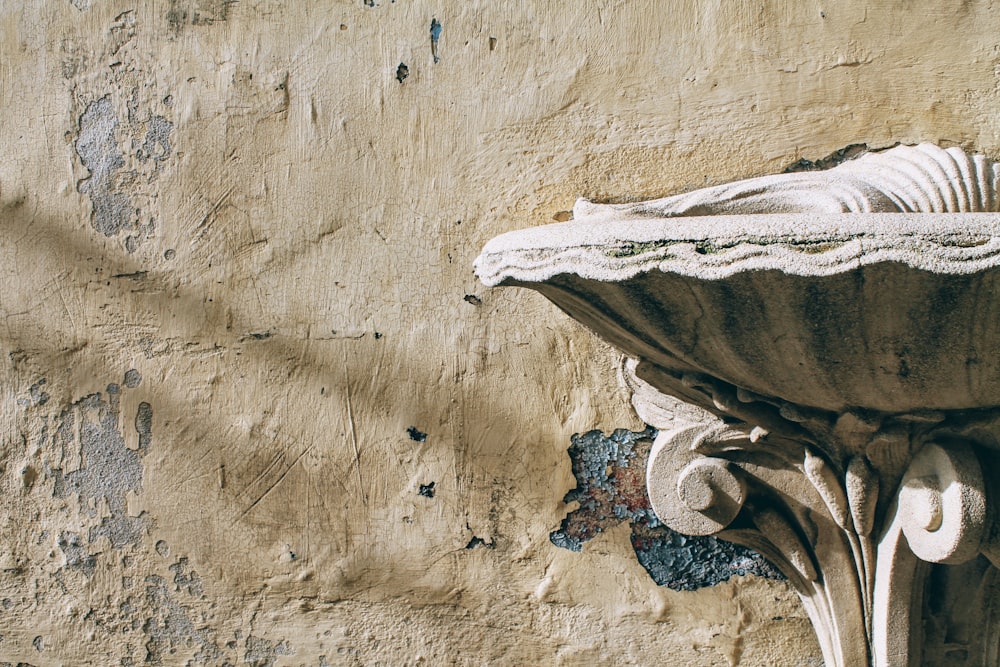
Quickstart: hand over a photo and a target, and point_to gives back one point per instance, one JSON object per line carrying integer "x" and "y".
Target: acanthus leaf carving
{"x": 831, "y": 339}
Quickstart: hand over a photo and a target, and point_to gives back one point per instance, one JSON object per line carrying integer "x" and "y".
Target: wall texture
{"x": 256, "y": 408}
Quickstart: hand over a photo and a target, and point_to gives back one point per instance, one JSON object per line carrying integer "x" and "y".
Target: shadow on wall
{"x": 610, "y": 475}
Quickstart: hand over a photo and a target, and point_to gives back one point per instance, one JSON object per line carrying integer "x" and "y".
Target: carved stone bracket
{"x": 835, "y": 335}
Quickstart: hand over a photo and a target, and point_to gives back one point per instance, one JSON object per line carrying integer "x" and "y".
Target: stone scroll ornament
{"x": 838, "y": 333}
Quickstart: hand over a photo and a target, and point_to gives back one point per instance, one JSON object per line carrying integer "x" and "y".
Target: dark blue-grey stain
{"x": 436, "y": 29}
{"x": 610, "y": 473}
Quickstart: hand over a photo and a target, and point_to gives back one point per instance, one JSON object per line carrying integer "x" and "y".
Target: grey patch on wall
{"x": 610, "y": 473}
{"x": 97, "y": 146}
{"x": 132, "y": 378}
{"x": 197, "y": 12}
{"x": 262, "y": 653}
{"x": 184, "y": 580}
{"x": 171, "y": 627}
{"x": 36, "y": 395}
{"x": 157, "y": 143}
{"x": 114, "y": 176}
{"x": 77, "y": 557}
{"x": 82, "y": 5}
{"x": 109, "y": 468}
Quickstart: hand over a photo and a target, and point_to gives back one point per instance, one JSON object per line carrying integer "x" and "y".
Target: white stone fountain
{"x": 841, "y": 331}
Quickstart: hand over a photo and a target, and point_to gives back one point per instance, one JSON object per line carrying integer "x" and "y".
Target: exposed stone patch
{"x": 611, "y": 488}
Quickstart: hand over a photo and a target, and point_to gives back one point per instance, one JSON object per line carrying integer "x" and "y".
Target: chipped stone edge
{"x": 611, "y": 246}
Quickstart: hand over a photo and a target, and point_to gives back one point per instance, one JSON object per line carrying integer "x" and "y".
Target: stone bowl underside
{"x": 895, "y": 312}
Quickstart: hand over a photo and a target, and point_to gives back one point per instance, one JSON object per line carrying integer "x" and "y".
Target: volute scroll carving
{"x": 818, "y": 351}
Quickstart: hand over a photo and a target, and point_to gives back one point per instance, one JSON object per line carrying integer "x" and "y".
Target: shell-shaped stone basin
{"x": 894, "y": 312}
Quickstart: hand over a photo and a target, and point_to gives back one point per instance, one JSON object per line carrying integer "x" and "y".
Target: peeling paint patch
{"x": 132, "y": 378}
{"x": 610, "y": 472}
{"x": 97, "y": 146}
{"x": 185, "y": 580}
{"x": 123, "y": 150}
{"x": 77, "y": 557}
{"x": 109, "y": 469}
{"x": 262, "y": 653}
{"x": 157, "y": 143}
{"x": 36, "y": 396}
{"x": 171, "y": 628}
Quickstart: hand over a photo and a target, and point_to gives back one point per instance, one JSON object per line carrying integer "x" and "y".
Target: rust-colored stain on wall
{"x": 610, "y": 473}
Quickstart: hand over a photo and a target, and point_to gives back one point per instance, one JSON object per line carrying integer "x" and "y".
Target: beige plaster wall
{"x": 241, "y": 204}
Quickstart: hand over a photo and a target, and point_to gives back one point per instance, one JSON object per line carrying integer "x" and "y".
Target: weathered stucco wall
{"x": 257, "y": 409}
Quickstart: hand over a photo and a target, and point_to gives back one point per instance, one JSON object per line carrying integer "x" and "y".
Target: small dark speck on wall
{"x": 416, "y": 434}
{"x": 473, "y": 299}
{"x": 426, "y": 490}
{"x": 479, "y": 542}
{"x": 402, "y": 72}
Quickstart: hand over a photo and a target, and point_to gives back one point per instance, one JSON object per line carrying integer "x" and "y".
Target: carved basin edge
{"x": 611, "y": 246}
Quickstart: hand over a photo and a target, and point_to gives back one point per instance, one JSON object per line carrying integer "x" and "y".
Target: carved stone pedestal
{"x": 848, "y": 366}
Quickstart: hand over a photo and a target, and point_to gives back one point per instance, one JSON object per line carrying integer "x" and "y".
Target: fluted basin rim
{"x": 610, "y": 246}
